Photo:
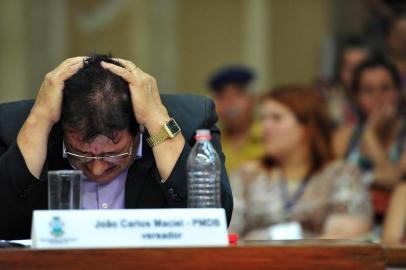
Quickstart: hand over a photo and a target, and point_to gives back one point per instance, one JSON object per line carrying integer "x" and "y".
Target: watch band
{"x": 158, "y": 138}
{"x": 169, "y": 130}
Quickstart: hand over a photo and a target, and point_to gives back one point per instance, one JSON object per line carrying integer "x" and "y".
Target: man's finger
{"x": 70, "y": 61}
{"x": 120, "y": 71}
{"x": 127, "y": 64}
{"x": 67, "y": 72}
{"x": 67, "y": 63}
{"x": 75, "y": 59}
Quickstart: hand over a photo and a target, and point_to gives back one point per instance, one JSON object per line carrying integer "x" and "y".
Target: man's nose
{"x": 98, "y": 167}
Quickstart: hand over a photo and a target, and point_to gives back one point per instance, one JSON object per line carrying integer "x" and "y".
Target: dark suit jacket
{"x": 21, "y": 193}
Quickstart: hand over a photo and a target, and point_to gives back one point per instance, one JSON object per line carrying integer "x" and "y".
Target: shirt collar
{"x": 138, "y": 155}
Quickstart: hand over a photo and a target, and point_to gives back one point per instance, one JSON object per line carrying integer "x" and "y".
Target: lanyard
{"x": 290, "y": 201}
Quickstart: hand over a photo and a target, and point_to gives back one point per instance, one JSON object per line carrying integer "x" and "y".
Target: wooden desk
{"x": 396, "y": 256}
{"x": 267, "y": 255}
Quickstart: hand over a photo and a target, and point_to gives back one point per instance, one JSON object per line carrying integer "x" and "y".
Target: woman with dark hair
{"x": 297, "y": 187}
{"x": 376, "y": 143}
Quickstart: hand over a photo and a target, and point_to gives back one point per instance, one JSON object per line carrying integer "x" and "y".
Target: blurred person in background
{"x": 339, "y": 97}
{"x": 298, "y": 183}
{"x": 235, "y": 107}
{"x": 394, "y": 232}
{"x": 396, "y": 46}
{"x": 376, "y": 142}
{"x": 381, "y": 14}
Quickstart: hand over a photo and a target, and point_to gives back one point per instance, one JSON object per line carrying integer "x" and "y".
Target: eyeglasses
{"x": 86, "y": 159}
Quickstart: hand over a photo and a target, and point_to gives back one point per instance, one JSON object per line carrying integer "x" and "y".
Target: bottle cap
{"x": 203, "y": 134}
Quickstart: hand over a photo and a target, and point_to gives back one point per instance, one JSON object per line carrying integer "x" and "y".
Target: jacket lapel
{"x": 137, "y": 175}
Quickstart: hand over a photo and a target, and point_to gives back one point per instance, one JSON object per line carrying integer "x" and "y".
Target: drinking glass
{"x": 64, "y": 189}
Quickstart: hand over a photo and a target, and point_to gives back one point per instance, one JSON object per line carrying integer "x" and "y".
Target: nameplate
{"x": 53, "y": 229}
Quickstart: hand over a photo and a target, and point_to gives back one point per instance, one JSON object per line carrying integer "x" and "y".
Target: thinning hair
{"x": 97, "y": 102}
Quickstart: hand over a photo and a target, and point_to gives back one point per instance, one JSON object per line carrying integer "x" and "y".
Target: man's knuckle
{"x": 53, "y": 79}
{"x": 49, "y": 76}
{"x": 145, "y": 78}
{"x": 71, "y": 69}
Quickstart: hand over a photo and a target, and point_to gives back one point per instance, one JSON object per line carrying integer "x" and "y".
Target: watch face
{"x": 172, "y": 126}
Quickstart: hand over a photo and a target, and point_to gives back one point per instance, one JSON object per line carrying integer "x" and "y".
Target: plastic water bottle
{"x": 203, "y": 170}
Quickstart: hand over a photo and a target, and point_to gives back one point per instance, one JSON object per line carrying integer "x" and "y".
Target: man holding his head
{"x": 103, "y": 116}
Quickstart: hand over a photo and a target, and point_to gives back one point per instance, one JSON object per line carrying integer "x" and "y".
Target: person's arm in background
{"x": 341, "y": 139}
{"x": 386, "y": 173}
{"x": 351, "y": 213}
{"x": 342, "y": 226}
{"x": 395, "y": 220}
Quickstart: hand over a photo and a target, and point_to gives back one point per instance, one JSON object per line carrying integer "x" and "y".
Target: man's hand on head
{"x": 32, "y": 139}
{"x": 148, "y": 108}
{"x": 150, "y": 112}
{"x": 48, "y": 104}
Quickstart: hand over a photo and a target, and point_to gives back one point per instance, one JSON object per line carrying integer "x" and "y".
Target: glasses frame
{"x": 82, "y": 159}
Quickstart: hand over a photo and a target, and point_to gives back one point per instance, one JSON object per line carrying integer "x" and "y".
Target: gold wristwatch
{"x": 169, "y": 130}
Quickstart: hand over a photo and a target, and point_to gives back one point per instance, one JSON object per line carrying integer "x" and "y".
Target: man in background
{"x": 231, "y": 88}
